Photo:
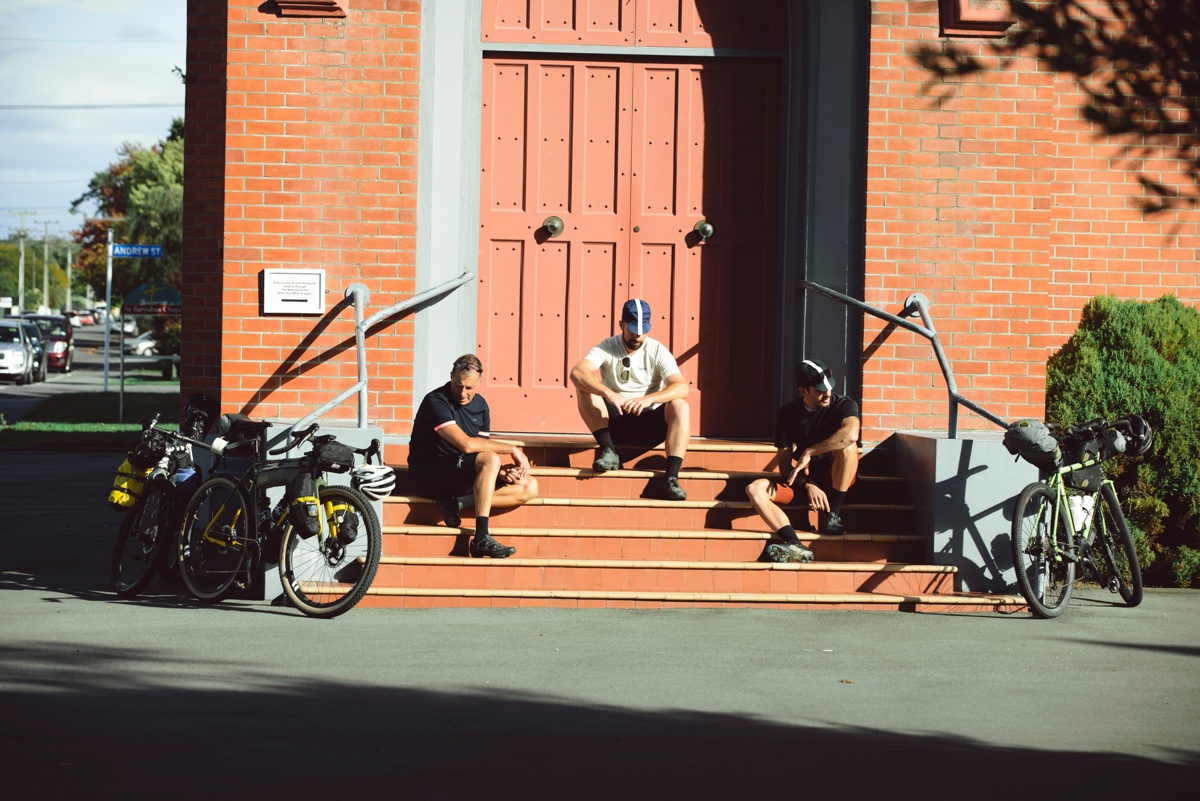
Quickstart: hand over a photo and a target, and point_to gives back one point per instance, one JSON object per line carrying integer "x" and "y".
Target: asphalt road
{"x": 87, "y": 375}
{"x": 160, "y": 697}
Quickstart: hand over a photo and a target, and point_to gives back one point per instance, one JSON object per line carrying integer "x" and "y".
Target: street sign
{"x": 137, "y": 251}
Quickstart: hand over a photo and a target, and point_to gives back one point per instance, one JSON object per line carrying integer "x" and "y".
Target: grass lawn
{"x": 89, "y": 420}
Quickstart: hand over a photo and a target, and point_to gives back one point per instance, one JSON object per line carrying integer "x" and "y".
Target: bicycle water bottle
{"x": 1081, "y": 511}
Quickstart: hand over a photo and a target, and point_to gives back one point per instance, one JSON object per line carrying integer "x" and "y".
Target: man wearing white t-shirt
{"x": 630, "y": 392}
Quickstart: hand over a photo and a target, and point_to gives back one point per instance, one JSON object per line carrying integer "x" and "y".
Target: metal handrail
{"x": 920, "y": 304}
{"x": 359, "y": 295}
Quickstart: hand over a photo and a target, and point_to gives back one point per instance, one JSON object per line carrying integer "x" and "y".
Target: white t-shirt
{"x": 649, "y": 366}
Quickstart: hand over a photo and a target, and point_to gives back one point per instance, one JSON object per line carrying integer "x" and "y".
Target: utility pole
{"x": 69, "y": 306}
{"x": 21, "y": 264}
{"x": 46, "y": 264}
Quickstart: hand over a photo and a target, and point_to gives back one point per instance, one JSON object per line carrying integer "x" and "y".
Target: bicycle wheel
{"x": 1040, "y": 541}
{"x": 325, "y": 575}
{"x": 1118, "y": 559}
{"x": 140, "y": 541}
{"x": 212, "y": 542}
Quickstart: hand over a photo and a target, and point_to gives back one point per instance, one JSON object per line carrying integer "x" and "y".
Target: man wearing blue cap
{"x": 817, "y": 437}
{"x": 630, "y": 392}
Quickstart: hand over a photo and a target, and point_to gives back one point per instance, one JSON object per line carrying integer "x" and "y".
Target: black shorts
{"x": 445, "y": 476}
{"x": 646, "y": 429}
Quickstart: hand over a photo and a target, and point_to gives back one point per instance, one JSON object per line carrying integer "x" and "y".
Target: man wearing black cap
{"x": 817, "y": 437}
{"x": 630, "y": 391}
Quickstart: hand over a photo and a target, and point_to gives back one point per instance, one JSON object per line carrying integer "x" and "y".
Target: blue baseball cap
{"x": 636, "y": 315}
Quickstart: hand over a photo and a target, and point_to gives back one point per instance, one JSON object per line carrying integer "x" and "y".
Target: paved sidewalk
{"x": 161, "y": 697}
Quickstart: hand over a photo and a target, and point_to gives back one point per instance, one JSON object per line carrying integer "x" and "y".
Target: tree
{"x": 145, "y": 186}
{"x": 1137, "y": 63}
{"x": 10, "y": 257}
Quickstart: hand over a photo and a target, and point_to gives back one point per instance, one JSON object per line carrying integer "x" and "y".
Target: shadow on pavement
{"x": 247, "y": 734}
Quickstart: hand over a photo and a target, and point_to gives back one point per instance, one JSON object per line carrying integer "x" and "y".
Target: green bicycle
{"x": 1070, "y": 527}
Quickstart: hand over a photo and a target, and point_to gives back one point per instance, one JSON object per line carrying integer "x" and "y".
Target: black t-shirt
{"x": 437, "y": 410}
{"x": 798, "y": 428}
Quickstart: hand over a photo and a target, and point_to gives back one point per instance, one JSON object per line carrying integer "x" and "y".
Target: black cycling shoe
{"x": 834, "y": 525}
{"x": 782, "y": 552}
{"x": 606, "y": 459}
{"x": 450, "y": 509}
{"x": 486, "y": 546}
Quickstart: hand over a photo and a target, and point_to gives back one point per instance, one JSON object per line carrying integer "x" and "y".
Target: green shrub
{"x": 1143, "y": 358}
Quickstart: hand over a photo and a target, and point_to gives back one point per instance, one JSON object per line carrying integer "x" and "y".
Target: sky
{"x": 81, "y": 54}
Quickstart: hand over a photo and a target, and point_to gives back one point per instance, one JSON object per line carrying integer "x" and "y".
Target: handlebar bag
{"x": 334, "y": 456}
{"x": 1031, "y": 440}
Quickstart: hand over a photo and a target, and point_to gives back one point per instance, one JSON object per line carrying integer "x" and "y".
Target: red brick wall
{"x": 1005, "y": 209}
{"x": 319, "y": 168}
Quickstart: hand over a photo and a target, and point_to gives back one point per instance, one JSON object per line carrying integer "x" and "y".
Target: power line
{"x": 88, "y": 106}
{"x": 139, "y": 42}
{"x": 39, "y": 183}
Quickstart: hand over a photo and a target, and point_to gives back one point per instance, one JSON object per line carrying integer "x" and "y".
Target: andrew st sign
{"x": 137, "y": 251}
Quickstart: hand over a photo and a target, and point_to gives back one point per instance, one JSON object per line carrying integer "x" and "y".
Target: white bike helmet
{"x": 376, "y": 481}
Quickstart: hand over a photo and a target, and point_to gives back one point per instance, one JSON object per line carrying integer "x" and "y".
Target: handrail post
{"x": 359, "y": 296}
{"x": 919, "y": 304}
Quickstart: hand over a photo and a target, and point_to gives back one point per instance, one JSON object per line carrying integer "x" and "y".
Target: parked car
{"x": 59, "y": 338}
{"x": 142, "y": 345}
{"x": 100, "y": 314}
{"x": 39, "y": 349}
{"x": 73, "y": 318}
{"x": 117, "y": 325}
{"x": 87, "y": 317}
{"x": 16, "y": 352}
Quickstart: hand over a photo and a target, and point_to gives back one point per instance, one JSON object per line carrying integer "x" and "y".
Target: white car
{"x": 16, "y": 353}
{"x": 142, "y": 345}
{"x": 129, "y": 326}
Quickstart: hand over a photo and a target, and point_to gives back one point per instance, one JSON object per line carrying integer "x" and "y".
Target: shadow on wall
{"x": 1139, "y": 77}
{"x": 89, "y": 723}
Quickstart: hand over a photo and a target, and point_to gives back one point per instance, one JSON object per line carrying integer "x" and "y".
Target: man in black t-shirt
{"x": 452, "y": 459}
{"x": 817, "y": 437}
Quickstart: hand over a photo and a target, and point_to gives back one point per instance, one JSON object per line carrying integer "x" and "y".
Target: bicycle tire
{"x": 209, "y": 565}
{"x": 1115, "y": 548}
{"x": 321, "y": 577}
{"x": 139, "y": 548}
{"x": 1044, "y": 574}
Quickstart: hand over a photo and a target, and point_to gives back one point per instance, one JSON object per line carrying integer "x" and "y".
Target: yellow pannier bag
{"x": 127, "y": 486}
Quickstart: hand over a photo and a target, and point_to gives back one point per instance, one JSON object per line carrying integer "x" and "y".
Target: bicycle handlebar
{"x": 298, "y": 439}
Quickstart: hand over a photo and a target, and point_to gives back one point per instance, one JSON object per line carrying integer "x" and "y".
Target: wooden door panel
{"x": 697, "y": 130}
{"x": 630, "y": 157}
{"x": 560, "y": 131}
{"x": 573, "y": 22}
{"x": 759, "y": 25}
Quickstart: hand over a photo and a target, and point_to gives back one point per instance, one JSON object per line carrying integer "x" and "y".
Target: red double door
{"x": 633, "y": 158}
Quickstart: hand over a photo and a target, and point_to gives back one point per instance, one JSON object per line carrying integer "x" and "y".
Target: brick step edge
{"x": 684, "y": 475}
{"x": 689, "y": 534}
{"x": 1013, "y": 602}
{"x": 667, "y": 564}
{"x": 664, "y": 504}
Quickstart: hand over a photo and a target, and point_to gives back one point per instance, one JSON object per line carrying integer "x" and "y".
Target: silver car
{"x": 16, "y": 353}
